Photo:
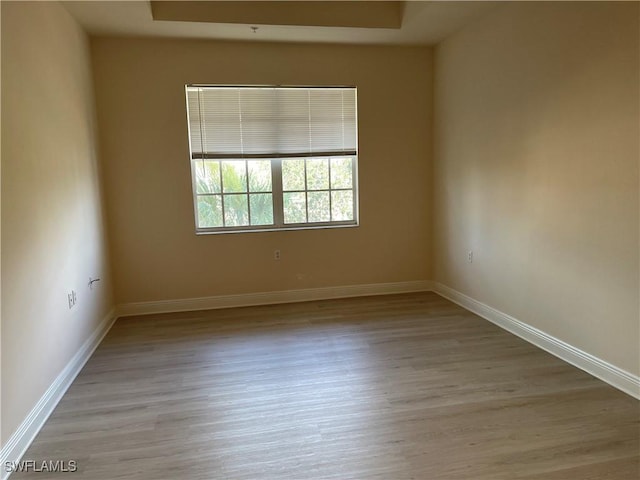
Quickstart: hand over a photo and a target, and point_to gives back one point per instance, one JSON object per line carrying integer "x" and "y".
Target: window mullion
{"x": 224, "y": 223}
{"x": 276, "y": 183}
{"x": 246, "y": 185}
{"x": 330, "y": 190}
{"x": 306, "y": 194}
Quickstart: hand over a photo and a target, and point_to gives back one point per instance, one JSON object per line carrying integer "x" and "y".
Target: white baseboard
{"x": 18, "y": 443}
{"x": 268, "y": 298}
{"x": 614, "y": 376}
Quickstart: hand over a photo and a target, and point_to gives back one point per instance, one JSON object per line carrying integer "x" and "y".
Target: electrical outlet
{"x": 470, "y": 256}
{"x": 72, "y": 299}
{"x": 276, "y": 254}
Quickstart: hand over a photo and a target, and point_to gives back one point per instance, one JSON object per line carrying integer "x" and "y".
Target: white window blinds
{"x": 271, "y": 122}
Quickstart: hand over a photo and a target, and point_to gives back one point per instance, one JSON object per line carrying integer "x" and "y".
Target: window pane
{"x": 259, "y": 175}
{"x": 294, "y": 207}
{"x": 261, "y": 209}
{"x": 236, "y": 210}
{"x": 317, "y": 174}
{"x": 209, "y": 211}
{"x": 234, "y": 176}
{"x": 293, "y": 174}
{"x": 341, "y": 172}
{"x": 342, "y": 205}
{"x": 207, "y": 176}
{"x": 319, "y": 207}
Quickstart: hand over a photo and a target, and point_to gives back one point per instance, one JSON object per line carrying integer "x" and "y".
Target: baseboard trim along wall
{"x": 269, "y": 298}
{"x": 595, "y": 366}
{"x": 18, "y": 443}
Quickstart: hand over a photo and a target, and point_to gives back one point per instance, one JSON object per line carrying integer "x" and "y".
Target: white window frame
{"x": 277, "y": 191}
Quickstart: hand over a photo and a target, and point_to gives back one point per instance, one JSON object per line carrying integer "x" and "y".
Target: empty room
{"x": 318, "y": 240}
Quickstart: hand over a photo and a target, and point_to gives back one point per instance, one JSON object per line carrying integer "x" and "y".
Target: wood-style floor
{"x": 392, "y": 387}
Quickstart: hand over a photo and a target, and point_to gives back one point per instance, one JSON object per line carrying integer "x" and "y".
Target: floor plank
{"x": 393, "y": 387}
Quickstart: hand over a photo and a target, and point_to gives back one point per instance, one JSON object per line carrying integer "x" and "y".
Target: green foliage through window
{"x": 238, "y": 206}
{"x": 239, "y": 193}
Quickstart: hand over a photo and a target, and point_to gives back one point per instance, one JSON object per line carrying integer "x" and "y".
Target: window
{"x": 265, "y": 158}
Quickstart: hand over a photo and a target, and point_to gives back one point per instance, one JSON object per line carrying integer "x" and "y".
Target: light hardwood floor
{"x": 392, "y": 387}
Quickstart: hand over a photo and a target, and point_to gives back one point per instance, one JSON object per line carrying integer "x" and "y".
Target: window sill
{"x": 277, "y": 229}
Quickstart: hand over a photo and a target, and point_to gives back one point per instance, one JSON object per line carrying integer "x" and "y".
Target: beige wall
{"x": 143, "y": 133}
{"x": 537, "y": 170}
{"x": 52, "y": 234}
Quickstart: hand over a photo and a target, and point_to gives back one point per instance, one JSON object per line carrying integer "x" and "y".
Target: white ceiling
{"x": 424, "y": 23}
